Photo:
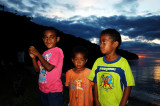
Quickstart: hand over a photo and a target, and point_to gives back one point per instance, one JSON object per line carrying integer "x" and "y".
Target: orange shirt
{"x": 80, "y": 88}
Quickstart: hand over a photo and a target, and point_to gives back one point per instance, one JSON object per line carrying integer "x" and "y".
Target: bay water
{"x": 146, "y": 72}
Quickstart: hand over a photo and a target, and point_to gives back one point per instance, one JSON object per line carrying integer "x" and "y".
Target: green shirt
{"x": 111, "y": 78}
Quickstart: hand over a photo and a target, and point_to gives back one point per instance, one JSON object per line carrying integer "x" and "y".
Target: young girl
{"x": 49, "y": 66}
{"x": 80, "y": 88}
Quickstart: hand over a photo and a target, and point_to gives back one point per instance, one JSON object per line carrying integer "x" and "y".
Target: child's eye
{"x": 82, "y": 59}
{"x": 52, "y": 36}
{"x": 45, "y": 38}
{"x": 101, "y": 42}
{"x": 104, "y": 41}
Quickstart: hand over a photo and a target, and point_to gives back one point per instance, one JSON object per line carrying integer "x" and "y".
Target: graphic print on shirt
{"x": 78, "y": 84}
{"x": 107, "y": 82}
{"x": 43, "y": 73}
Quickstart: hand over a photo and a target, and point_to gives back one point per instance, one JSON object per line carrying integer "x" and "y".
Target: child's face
{"x": 50, "y": 39}
{"x": 79, "y": 61}
{"x": 107, "y": 45}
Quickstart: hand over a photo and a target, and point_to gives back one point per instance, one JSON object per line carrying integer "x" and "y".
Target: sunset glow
{"x": 141, "y": 56}
{"x": 145, "y": 56}
{"x": 157, "y": 73}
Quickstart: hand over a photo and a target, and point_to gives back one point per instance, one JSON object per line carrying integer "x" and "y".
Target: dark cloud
{"x": 69, "y": 7}
{"x": 18, "y": 4}
{"x": 148, "y": 27}
{"x": 13, "y": 10}
{"x": 39, "y": 4}
{"x": 142, "y": 48}
{"x": 30, "y": 9}
{"x": 69, "y": 27}
{"x": 132, "y": 26}
{"x": 127, "y": 6}
{"x": 89, "y": 27}
{"x": 138, "y": 45}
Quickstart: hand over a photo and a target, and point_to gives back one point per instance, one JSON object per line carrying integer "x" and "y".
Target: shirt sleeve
{"x": 91, "y": 83}
{"x": 129, "y": 75}
{"x": 92, "y": 75}
{"x": 38, "y": 62}
{"x": 56, "y": 57}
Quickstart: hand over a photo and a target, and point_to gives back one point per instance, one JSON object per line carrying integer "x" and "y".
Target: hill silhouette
{"x": 18, "y": 33}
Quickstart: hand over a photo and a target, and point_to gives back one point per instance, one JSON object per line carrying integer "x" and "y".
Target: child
{"x": 49, "y": 67}
{"x": 111, "y": 74}
{"x": 80, "y": 88}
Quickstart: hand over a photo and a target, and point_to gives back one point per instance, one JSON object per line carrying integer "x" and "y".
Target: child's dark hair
{"x": 114, "y": 34}
{"x": 80, "y": 49}
{"x": 56, "y": 31}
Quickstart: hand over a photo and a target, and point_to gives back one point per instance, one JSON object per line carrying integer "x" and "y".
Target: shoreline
{"x": 145, "y": 98}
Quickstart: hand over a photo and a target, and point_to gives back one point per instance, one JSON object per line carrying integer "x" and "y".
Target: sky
{"x": 138, "y": 21}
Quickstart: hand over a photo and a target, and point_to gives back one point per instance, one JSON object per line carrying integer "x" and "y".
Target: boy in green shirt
{"x": 111, "y": 74}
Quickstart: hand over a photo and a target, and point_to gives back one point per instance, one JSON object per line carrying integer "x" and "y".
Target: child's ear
{"x": 116, "y": 43}
{"x": 86, "y": 60}
{"x": 43, "y": 38}
{"x": 72, "y": 60}
{"x": 58, "y": 38}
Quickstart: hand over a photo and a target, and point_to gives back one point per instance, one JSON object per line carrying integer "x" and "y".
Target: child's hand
{"x": 33, "y": 51}
{"x": 32, "y": 55}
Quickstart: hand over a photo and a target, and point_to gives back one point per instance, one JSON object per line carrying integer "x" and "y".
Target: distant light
{"x": 120, "y": 30}
{"x": 126, "y": 38}
{"x": 131, "y": 29}
{"x": 142, "y": 39}
{"x": 141, "y": 56}
{"x": 94, "y": 40}
{"x": 157, "y": 41}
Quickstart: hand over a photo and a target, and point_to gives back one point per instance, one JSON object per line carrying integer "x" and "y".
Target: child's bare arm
{"x": 34, "y": 61}
{"x": 97, "y": 103}
{"x": 44, "y": 63}
{"x": 67, "y": 84}
{"x": 126, "y": 94}
{"x": 35, "y": 65}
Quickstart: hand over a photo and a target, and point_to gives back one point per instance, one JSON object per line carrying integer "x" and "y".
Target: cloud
{"x": 78, "y": 28}
{"x": 94, "y": 40}
{"x": 39, "y": 4}
{"x": 138, "y": 33}
{"x": 70, "y": 8}
{"x": 19, "y": 5}
{"x": 29, "y": 7}
{"x": 126, "y": 6}
{"x": 142, "y": 48}
{"x": 91, "y": 26}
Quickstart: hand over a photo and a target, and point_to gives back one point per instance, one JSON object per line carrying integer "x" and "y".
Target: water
{"x": 146, "y": 72}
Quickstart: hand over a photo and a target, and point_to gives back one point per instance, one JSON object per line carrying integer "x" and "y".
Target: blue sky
{"x": 138, "y": 21}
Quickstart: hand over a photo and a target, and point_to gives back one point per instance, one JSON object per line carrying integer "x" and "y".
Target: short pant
{"x": 50, "y": 99}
